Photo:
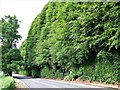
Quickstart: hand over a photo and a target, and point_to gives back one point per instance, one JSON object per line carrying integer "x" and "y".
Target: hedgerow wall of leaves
{"x": 74, "y": 40}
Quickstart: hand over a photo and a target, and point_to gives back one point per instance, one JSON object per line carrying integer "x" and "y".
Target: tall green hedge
{"x": 75, "y": 39}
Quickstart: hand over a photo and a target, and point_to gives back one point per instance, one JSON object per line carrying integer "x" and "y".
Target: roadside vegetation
{"x": 7, "y": 83}
{"x": 74, "y": 40}
{"x": 10, "y": 57}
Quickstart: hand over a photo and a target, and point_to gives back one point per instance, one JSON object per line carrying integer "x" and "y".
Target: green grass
{"x": 7, "y": 83}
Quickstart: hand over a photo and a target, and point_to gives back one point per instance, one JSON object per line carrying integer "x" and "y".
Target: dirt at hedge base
{"x": 87, "y": 82}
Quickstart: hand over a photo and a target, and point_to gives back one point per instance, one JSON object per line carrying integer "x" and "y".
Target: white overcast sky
{"x": 25, "y": 11}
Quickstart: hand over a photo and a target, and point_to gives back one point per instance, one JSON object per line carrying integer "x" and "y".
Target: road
{"x": 55, "y": 85}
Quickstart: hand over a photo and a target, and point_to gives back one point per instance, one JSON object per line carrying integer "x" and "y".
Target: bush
{"x": 47, "y": 73}
{"x": 58, "y": 74}
{"x": 7, "y": 83}
{"x": 67, "y": 78}
{"x": 106, "y": 67}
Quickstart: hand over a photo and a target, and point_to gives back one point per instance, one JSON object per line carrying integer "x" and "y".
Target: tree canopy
{"x": 9, "y": 37}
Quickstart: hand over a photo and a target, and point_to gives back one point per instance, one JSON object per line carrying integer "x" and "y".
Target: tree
{"x": 9, "y": 37}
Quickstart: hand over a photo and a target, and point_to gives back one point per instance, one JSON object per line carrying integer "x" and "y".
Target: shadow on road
{"x": 21, "y": 77}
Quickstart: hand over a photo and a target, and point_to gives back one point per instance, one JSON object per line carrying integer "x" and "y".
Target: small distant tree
{"x": 9, "y": 37}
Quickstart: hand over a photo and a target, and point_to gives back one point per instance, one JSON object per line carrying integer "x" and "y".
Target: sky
{"x": 25, "y": 11}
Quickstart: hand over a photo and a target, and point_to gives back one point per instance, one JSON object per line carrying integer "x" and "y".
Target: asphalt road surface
{"x": 55, "y": 85}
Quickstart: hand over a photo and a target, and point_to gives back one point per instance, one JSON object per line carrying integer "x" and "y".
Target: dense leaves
{"x": 7, "y": 83}
{"x": 8, "y": 38}
{"x": 75, "y": 40}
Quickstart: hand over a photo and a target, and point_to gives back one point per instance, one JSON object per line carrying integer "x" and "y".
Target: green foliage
{"x": 105, "y": 67}
{"x": 76, "y": 40}
{"x": 47, "y": 73}
{"x": 9, "y": 37}
{"x": 7, "y": 83}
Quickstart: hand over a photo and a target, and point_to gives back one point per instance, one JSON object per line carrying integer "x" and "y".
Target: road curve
{"x": 45, "y": 83}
